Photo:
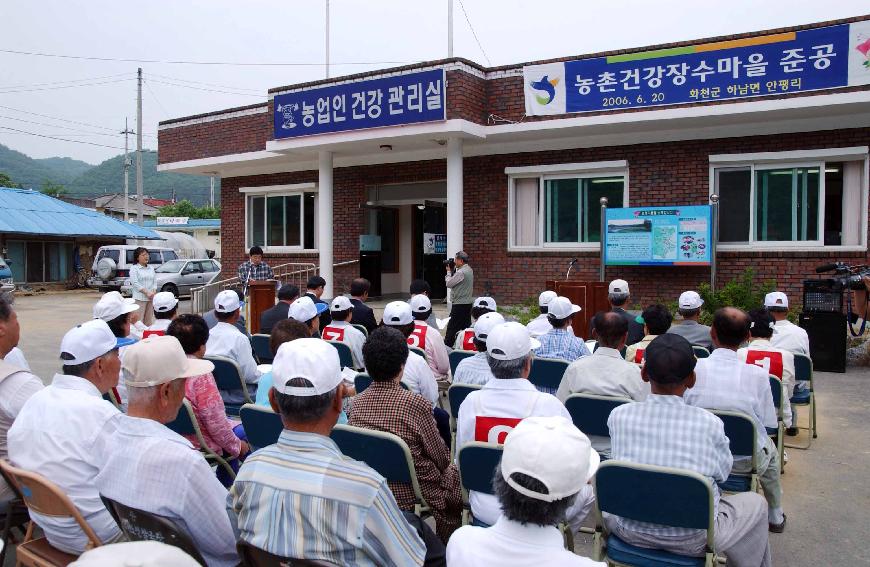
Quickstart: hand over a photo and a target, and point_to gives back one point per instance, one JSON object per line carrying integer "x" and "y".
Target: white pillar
{"x": 324, "y": 220}
{"x": 454, "y": 197}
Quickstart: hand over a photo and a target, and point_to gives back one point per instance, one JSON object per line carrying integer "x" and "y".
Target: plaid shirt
{"x": 666, "y": 432}
{"x": 385, "y": 406}
{"x": 559, "y": 343}
{"x": 261, "y": 271}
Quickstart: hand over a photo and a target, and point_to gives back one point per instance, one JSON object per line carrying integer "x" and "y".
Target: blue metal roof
{"x": 24, "y": 211}
{"x": 191, "y": 223}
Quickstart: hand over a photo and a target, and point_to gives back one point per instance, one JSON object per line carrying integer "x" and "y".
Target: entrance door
{"x": 432, "y": 219}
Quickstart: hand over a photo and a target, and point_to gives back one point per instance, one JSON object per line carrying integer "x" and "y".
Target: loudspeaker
{"x": 827, "y": 332}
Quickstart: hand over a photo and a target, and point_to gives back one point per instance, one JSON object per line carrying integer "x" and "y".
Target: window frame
{"x": 266, "y": 191}
{"x": 589, "y": 170}
{"x": 765, "y": 161}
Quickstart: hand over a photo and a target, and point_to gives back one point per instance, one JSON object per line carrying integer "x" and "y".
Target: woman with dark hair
{"x": 142, "y": 282}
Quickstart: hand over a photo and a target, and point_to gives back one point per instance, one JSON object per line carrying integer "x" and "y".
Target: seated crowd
{"x": 99, "y": 430}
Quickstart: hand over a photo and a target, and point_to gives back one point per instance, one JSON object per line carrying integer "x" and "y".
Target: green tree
{"x": 6, "y": 181}
{"x": 185, "y": 208}
{"x": 52, "y": 189}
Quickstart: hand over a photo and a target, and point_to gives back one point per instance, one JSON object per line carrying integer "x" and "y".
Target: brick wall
{"x": 674, "y": 173}
{"x": 215, "y": 138}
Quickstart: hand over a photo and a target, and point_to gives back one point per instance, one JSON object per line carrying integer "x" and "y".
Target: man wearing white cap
{"x": 226, "y": 340}
{"x": 347, "y": 514}
{"x": 165, "y": 309}
{"x": 689, "y": 306}
{"x": 430, "y": 340}
{"x": 63, "y": 431}
{"x": 340, "y": 329}
{"x": 558, "y": 342}
{"x": 481, "y": 306}
{"x": 417, "y": 375}
{"x": 786, "y": 334}
{"x": 546, "y": 463}
{"x": 153, "y": 469}
{"x": 116, "y": 311}
{"x": 306, "y": 310}
{"x": 540, "y": 325}
{"x": 618, "y": 295}
{"x": 490, "y": 413}
{"x": 475, "y": 369}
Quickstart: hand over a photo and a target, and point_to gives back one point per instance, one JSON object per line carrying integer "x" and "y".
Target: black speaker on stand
{"x": 827, "y": 333}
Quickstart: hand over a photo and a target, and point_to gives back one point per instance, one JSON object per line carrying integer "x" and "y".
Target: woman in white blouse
{"x": 142, "y": 282}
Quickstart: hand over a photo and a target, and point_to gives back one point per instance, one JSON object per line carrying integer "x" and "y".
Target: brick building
{"x": 516, "y": 182}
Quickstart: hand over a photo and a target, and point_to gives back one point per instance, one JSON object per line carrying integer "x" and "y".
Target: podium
{"x": 261, "y": 296}
{"x": 590, "y": 296}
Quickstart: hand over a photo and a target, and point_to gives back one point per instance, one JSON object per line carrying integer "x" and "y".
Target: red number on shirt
{"x": 638, "y": 355}
{"x": 468, "y": 340}
{"x": 493, "y": 429}
{"x": 770, "y": 361}
{"x": 418, "y": 336}
{"x": 333, "y": 333}
{"x": 147, "y": 334}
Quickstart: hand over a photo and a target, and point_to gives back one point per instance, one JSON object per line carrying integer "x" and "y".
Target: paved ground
{"x": 826, "y": 493}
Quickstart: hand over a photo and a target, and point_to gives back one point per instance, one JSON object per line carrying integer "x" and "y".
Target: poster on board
{"x": 658, "y": 236}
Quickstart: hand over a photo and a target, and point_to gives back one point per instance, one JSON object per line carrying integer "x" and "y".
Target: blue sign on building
{"x": 387, "y": 101}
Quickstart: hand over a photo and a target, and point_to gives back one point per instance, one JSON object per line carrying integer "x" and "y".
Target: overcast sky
{"x": 379, "y": 33}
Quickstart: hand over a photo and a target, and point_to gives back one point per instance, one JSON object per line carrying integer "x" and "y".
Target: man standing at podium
{"x": 254, "y": 268}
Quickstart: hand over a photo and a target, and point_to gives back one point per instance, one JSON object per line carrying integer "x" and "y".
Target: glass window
{"x": 308, "y": 220}
{"x": 169, "y": 255}
{"x": 735, "y": 189}
{"x": 787, "y": 204}
{"x": 256, "y": 217}
{"x": 155, "y": 257}
{"x": 170, "y": 267}
{"x": 113, "y": 254}
{"x": 526, "y": 195}
{"x": 572, "y": 208}
{"x": 281, "y": 220}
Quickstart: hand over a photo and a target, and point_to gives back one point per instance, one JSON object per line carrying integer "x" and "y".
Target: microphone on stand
{"x": 571, "y": 265}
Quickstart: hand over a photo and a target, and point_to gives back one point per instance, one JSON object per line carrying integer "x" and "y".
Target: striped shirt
{"x": 666, "y": 432}
{"x": 559, "y": 343}
{"x": 473, "y": 370}
{"x": 302, "y": 498}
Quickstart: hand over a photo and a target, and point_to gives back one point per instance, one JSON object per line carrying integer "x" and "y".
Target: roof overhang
{"x": 419, "y": 142}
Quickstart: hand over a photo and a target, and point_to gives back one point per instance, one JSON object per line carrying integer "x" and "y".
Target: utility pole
{"x": 126, "y": 171}
{"x": 141, "y": 212}
{"x": 449, "y": 29}
{"x": 327, "y": 39}
{"x": 211, "y": 194}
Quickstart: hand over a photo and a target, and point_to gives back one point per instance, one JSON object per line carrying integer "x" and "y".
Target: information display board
{"x": 658, "y": 236}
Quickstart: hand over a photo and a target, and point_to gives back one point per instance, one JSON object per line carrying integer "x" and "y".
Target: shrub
{"x": 742, "y": 292}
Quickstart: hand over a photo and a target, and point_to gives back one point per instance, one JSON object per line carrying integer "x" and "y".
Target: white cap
{"x": 340, "y": 303}
{"x": 304, "y": 309}
{"x": 562, "y": 308}
{"x": 420, "y": 304}
{"x": 775, "y": 299}
{"x": 397, "y": 313}
{"x": 158, "y": 360}
{"x": 618, "y": 286}
{"x": 313, "y": 359}
{"x": 552, "y": 451}
{"x": 486, "y": 302}
{"x": 113, "y": 305}
{"x": 135, "y": 553}
{"x": 510, "y": 341}
{"x": 545, "y": 298}
{"x": 88, "y": 341}
{"x": 164, "y": 301}
{"x": 485, "y": 324}
{"x": 690, "y": 300}
{"x": 227, "y": 301}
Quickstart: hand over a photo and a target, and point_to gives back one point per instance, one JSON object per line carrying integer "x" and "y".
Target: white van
{"x": 112, "y": 264}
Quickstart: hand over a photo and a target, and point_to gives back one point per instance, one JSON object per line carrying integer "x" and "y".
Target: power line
{"x": 165, "y": 112}
{"x": 64, "y": 82}
{"x": 60, "y": 139}
{"x": 66, "y": 120}
{"x": 66, "y": 86}
{"x": 175, "y": 62}
{"x": 58, "y": 126}
{"x": 474, "y": 33}
{"x": 207, "y": 90}
{"x": 176, "y": 79}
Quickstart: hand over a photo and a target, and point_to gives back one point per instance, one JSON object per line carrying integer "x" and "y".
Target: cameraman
{"x": 461, "y": 283}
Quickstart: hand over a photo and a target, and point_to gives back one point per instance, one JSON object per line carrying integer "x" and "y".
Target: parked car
{"x": 180, "y": 276}
{"x": 112, "y": 264}
{"x": 6, "y": 282}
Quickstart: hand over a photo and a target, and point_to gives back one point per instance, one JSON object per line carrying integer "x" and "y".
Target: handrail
{"x": 202, "y": 298}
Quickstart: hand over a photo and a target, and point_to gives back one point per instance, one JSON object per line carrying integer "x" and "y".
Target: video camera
{"x": 846, "y": 276}
{"x": 452, "y": 263}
